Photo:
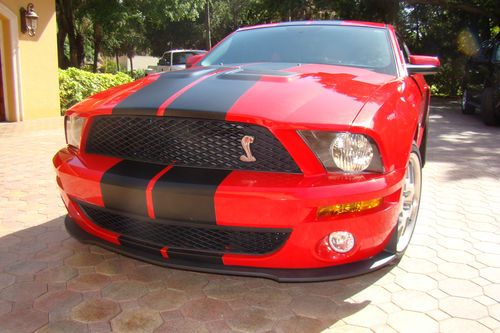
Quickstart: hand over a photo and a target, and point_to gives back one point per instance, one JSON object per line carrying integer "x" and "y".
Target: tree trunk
{"x": 96, "y": 57}
{"x": 131, "y": 65}
{"x": 80, "y": 50}
{"x": 62, "y": 60}
{"x": 61, "y": 39}
{"x": 73, "y": 51}
{"x": 117, "y": 59}
{"x": 66, "y": 20}
{"x": 97, "y": 45}
{"x": 207, "y": 25}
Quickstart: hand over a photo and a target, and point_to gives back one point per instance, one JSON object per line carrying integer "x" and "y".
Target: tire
{"x": 410, "y": 197}
{"x": 488, "y": 112}
{"x": 467, "y": 108}
{"x": 423, "y": 147}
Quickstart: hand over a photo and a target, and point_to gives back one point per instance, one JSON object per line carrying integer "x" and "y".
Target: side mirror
{"x": 420, "y": 64}
{"x": 193, "y": 60}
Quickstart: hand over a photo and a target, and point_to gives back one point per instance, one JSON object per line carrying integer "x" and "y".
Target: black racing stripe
{"x": 147, "y": 100}
{"x": 187, "y": 194}
{"x": 213, "y": 97}
{"x": 123, "y": 187}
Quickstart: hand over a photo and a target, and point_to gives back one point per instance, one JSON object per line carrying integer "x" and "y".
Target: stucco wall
{"x": 140, "y": 62}
{"x": 38, "y": 61}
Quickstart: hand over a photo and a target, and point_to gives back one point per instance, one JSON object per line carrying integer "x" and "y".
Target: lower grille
{"x": 209, "y": 238}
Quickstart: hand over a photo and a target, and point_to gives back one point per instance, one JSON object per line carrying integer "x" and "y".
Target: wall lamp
{"x": 29, "y": 20}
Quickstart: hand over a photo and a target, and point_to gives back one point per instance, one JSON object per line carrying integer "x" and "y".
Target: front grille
{"x": 206, "y": 238}
{"x": 212, "y": 144}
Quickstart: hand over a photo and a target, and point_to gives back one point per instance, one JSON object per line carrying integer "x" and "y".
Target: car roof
{"x": 340, "y": 22}
{"x": 183, "y": 50}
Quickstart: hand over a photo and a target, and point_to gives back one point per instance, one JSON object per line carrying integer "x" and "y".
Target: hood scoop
{"x": 255, "y": 74}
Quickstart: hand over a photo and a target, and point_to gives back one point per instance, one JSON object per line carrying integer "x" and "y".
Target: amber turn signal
{"x": 352, "y": 207}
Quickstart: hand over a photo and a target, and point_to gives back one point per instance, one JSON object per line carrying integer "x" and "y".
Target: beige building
{"x": 29, "y": 77}
{"x": 139, "y": 62}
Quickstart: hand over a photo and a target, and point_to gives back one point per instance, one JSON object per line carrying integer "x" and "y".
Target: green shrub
{"x": 76, "y": 84}
{"x": 138, "y": 74}
{"x": 109, "y": 66}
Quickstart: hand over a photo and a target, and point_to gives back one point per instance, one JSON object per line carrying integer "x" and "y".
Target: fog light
{"x": 351, "y": 207}
{"x": 341, "y": 241}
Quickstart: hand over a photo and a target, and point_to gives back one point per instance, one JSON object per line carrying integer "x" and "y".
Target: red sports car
{"x": 291, "y": 151}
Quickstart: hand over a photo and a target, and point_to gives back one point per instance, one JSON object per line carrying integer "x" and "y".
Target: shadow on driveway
{"x": 50, "y": 280}
{"x": 462, "y": 141}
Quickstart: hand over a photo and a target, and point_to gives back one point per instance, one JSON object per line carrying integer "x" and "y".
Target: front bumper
{"x": 255, "y": 200}
{"x": 137, "y": 251}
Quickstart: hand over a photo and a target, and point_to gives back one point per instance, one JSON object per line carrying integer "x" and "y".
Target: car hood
{"x": 281, "y": 93}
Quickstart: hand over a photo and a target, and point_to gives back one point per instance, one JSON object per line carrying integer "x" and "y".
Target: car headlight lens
{"x": 343, "y": 151}
{"x": 74, "y": 129}
{"x": 351, "y": 152}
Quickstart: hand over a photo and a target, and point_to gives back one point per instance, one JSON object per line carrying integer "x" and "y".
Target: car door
{"x": 165, "y": 62}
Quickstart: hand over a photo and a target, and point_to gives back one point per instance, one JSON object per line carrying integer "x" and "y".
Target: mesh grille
{"x": 216, "y": 239}
{"x": 211, "y": 144}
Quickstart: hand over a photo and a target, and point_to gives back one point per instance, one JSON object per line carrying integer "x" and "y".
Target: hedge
{"x": 76, "y": 84}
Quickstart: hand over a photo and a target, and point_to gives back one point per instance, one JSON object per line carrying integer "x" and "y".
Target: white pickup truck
{"x": 173, "y": 60}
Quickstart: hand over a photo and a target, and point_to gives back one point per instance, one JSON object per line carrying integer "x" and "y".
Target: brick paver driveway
{"x": 449, "y": 280}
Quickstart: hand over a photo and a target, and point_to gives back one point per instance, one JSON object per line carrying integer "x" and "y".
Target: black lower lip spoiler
{"x": 140, "y": 252}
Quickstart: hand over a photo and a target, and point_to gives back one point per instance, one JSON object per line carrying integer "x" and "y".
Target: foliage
{"x": 115, "y": 27}
{"x": 76, "y": 84}
{"x": 450, "y": 32}
{"x": 109, "y": 66}
{"x": 451, "y": 29}
{"x": 138, "y": 74}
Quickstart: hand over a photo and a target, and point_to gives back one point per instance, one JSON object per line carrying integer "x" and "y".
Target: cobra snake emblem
{"x": 246, "y": 141}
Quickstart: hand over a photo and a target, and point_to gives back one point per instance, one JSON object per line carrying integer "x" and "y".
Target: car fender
{"x": 390, "y": 117}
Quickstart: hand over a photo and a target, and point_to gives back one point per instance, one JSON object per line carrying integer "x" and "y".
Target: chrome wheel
{"x": 411, "y": 201}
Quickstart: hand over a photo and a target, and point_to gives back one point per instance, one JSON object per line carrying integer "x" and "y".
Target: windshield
{"x": 363, "y": 47}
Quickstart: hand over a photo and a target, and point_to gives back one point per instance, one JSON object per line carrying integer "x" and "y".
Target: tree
{"x": 106, "y": 17}
{"x": 67, "y": 12}
{"x": 451, "y": 29}
{"x": 207, "y": 25}
{"x": 173, "y": 24}
{"x": 132, "y": 37}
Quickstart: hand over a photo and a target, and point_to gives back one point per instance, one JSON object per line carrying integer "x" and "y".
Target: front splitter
{"x": 139, "y": 251}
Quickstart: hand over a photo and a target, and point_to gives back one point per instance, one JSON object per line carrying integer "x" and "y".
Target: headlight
{"x": 74, "y": 128}
{"x": 351, "y": 152}
{"x": 342, "y": 151}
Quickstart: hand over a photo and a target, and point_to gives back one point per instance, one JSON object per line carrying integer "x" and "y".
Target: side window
{"x": 165, "y": 59}
{"x": 177, "y": 58}
{"x": 181, "y": 57}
